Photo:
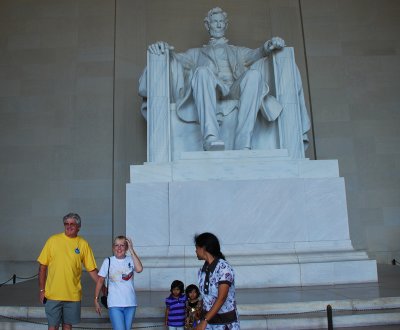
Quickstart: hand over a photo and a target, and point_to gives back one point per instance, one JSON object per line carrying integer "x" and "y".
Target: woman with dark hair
{"x": 217, "y": 286}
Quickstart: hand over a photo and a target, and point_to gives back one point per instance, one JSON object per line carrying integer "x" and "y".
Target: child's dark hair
{"x": 190, "y": 288}
{"x": 177, "y": 284}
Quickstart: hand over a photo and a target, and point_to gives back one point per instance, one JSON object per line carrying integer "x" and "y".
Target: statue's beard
{"x": 217, "y": 34}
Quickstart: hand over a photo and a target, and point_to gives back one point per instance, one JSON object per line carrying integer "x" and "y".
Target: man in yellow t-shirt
{"x": 60, "y": 273}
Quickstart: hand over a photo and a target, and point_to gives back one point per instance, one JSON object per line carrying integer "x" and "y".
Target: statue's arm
{"x": 250, "y": 56}
{"x": 187, "y": 59}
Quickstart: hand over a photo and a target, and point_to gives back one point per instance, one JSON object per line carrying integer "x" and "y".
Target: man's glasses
{"x": 70, "y": 224}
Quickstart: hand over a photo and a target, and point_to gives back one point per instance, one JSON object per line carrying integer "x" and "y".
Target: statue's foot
{"x": 213, "y": 144}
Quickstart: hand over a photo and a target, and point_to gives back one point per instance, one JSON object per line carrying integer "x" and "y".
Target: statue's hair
{"x": 215, "y": 11}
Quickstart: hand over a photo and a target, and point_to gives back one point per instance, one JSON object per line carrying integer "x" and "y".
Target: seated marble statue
{"x": 216, "y": 72}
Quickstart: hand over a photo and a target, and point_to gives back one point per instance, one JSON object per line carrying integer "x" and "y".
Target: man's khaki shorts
{"x": 64, "y": 312}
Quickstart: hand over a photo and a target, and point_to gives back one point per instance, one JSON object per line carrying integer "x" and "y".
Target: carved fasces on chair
{"x": 293, "y": 122}
{"x": 158, "y": 109}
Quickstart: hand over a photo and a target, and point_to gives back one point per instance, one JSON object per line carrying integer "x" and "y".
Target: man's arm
{"x": 93, "y": 275}
{"x": 42, "y": 281}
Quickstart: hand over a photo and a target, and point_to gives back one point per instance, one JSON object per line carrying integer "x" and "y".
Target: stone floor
{"x": 388, "y": 285}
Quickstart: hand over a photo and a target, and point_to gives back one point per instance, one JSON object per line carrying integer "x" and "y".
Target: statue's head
{"x": 216, "y": 22}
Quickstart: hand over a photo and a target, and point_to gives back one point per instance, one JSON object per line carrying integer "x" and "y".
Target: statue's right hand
{"x": 159, "y": 48}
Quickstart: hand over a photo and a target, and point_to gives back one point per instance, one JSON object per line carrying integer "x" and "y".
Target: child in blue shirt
{"x": 175, "y": 307}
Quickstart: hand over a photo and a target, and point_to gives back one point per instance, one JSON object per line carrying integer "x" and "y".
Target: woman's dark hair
{"x": 211, "y": 243}
{"x": 178, "y": 284}
{"x": 190, "y": 288}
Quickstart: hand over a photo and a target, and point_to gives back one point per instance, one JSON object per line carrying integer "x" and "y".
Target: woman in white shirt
{"x": 120, "y": 268}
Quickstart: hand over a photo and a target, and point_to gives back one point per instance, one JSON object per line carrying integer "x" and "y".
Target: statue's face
{"x": 217, "y": 26}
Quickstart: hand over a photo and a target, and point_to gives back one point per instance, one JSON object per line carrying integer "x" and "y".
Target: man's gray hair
{"x": 74, "y": 216}
{"x": 215, "y": 11}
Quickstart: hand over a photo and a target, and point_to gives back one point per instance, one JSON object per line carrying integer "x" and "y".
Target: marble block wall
{"x": 56, "y": 101}
{"x": 71, "y": 126}
{"x": 240, "y": 212}
{"x": 353, "y": 55}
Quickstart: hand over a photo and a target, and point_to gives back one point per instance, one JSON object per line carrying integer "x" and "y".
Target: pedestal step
{"x": 266, "y": 271}
{"x": 233, "y": 165}
{"x": 285, "y": 316}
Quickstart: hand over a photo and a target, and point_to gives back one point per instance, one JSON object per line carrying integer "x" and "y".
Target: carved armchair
{"x": 168, "y": 135}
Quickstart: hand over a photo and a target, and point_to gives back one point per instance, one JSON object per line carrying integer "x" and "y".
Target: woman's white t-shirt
{"x": 121, "y": 292}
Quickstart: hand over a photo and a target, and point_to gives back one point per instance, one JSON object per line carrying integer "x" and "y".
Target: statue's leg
{"x": 249, "y": 89}
{"x": 204, "y": 85}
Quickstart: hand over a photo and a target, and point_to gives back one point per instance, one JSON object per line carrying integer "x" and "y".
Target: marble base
{"x": 281, "y": 222}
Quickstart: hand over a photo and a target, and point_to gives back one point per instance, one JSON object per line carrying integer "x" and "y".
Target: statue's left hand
{"x": 273, "y": 44}
{"x": 160, "y": 48}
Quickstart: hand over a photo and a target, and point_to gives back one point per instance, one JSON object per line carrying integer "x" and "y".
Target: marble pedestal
{"x": 281, "y": 222}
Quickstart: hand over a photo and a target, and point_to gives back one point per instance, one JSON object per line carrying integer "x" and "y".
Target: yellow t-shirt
{"x": 64, "y": 257}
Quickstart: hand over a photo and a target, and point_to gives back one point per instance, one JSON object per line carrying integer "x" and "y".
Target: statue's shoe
{"x": 214, "y": 145}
